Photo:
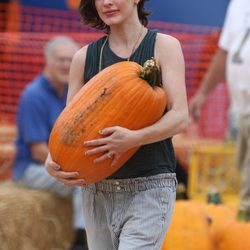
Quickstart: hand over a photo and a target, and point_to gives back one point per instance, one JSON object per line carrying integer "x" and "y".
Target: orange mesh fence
{"x": 25, "y": 30}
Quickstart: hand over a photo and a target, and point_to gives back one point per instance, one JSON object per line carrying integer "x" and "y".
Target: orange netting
{"x": 25, "y": 30}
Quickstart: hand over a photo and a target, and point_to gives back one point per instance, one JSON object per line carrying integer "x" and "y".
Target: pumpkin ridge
{"x": 68, "y": 134}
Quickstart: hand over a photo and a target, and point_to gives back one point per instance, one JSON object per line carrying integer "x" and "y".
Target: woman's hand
{"x": 67, "y": 178}
{"x": 117, "y": 140}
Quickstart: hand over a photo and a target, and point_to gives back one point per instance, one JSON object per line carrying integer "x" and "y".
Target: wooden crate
{"x": 213, "y": 169}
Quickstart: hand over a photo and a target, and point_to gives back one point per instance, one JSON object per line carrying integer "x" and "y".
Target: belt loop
{"x": 94, "y": 188}
{"x": 176, "y": 181}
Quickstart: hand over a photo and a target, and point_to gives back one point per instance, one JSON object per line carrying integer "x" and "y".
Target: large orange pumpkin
{"x": 117, "y": 96}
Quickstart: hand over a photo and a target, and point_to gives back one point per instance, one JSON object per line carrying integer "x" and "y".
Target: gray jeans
{"x": 129, "y": 214}
{"x": 36, "y": 177}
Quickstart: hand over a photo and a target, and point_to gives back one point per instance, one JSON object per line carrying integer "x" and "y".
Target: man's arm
{"x": 214, "y": 75}
{"x": 39, "y": 152}
{"x": 33, "y": 124}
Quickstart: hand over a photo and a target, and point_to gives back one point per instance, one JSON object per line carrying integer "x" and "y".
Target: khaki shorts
{"x": 243, "y": 161}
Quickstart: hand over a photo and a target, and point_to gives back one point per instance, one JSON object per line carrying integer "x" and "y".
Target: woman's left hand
{"x": 117, "y": 140}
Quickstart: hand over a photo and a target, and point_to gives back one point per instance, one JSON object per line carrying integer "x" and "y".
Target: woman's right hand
{"x": 67, "y": 178}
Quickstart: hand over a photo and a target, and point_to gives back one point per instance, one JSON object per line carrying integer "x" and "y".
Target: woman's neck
{"x": 124, "y": 40}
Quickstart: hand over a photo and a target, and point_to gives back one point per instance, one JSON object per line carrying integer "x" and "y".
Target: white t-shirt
{"x": 235, "y": 39}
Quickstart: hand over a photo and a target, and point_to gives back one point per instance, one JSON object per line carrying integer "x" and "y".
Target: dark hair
{"x": 90, "y": 16}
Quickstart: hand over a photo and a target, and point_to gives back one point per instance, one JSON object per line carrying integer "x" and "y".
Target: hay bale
{"x": 33, "y": 220}
{"x": 7, "y": 149}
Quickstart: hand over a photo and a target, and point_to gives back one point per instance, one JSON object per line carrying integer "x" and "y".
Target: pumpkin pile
{"x": 203, "y": 226}
{"x": 188, "y": 229}
{"x": 124, "y": 94}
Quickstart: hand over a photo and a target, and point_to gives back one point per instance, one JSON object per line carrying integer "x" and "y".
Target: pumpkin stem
{"x": 151, "y": 73}
{"x": 243, "y": 216}
{"x": 214, "y": 197}
{"x": 181, "y": 192}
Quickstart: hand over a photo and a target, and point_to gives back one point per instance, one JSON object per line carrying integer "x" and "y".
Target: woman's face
{"x": 113, "y": 12}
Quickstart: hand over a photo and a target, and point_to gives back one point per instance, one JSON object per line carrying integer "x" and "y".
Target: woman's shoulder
{"x": 81, "y": 54}
{"x": 166, "y": 39}
{"x": 167, "y": 44}
{"x": 96, "y": 44}
{"x": 168, "y": 48}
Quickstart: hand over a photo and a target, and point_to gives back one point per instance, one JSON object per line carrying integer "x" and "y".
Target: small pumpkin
{"x": 217, "y": 214}
{"x": 232, "y": 234}
{"x": 124, "y": 94}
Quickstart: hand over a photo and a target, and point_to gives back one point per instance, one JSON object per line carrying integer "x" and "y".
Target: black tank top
{"x": 150, "y": 159}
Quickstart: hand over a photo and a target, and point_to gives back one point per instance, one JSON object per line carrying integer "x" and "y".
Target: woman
{"x": 131, "y": 209}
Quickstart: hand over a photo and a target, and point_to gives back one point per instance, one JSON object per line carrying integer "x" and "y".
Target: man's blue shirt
{"x": 39, "y": 107}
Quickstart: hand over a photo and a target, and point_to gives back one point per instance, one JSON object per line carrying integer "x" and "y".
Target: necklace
{"x": 132, "y": 51}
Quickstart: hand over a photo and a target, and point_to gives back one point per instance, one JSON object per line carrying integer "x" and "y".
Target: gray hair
{"x": 55, "y": 41}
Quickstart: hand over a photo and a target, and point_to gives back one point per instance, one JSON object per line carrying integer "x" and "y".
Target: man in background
{"x": 40, "y": 104}
{"x": 231, "y": 62}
